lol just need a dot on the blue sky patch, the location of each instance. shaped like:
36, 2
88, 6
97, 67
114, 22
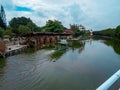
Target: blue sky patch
19, 8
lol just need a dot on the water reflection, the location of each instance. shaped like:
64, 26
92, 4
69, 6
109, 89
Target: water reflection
77, 45
73, 45
74, 70
90, 40
2, 62
114, 44
56, 55
2, 71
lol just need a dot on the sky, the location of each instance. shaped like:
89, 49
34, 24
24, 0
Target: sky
93, 14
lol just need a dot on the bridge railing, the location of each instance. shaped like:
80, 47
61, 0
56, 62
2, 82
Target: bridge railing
108, 83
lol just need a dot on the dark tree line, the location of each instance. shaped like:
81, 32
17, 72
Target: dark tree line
23, 25
2, 18
110, 32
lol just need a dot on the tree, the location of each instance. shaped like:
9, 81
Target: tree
37, 29
1, 33
24, 30
75, 28
16, 22
2, 18
33, 27
54, 26
117, 32
8, 32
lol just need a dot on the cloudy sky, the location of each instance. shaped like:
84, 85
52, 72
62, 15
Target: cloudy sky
93, 14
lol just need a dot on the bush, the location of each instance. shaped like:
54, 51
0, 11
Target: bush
1, 33
117, 32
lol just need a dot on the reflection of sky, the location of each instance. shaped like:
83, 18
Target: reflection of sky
73, 70
98, 59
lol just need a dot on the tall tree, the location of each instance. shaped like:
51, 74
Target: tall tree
33, 27
16, 22
1, 33
77, 29
2, 18
54, 26
24, 30
117, 32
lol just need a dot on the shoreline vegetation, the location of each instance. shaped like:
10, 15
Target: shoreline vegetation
112, 33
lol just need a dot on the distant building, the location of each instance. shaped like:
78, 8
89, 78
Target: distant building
91, 33
68, 31
81, 28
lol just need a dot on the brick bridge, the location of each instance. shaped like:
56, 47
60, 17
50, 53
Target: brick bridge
40, 39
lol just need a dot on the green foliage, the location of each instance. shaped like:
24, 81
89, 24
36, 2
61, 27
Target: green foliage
37, 29
1, 33
107, 32
24, 30
33, 27
19, 24
77, 32
8, 32
16, 22
117, 32
2, 18
54, 26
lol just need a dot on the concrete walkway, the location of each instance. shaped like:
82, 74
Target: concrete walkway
14, 47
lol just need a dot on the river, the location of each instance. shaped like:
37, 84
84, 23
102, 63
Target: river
84, 66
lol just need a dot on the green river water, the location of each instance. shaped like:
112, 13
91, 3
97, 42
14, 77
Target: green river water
84, 66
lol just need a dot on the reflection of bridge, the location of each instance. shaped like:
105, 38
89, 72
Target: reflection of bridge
40, 39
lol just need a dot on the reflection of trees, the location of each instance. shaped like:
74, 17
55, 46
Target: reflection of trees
72, 45
2, 65
2, 62
57, 54
77, 45
115, 45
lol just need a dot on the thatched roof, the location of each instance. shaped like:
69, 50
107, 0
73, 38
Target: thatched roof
2, 46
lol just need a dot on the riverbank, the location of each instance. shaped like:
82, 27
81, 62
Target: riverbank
13, 49
107, 37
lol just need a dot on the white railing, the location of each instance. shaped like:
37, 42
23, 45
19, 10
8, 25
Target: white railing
108, 83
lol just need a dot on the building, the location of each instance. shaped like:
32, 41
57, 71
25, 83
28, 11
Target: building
81, 28
69, 31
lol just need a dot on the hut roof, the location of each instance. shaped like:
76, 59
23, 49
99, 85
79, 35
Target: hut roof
69, 31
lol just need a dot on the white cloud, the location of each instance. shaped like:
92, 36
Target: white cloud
92, 13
